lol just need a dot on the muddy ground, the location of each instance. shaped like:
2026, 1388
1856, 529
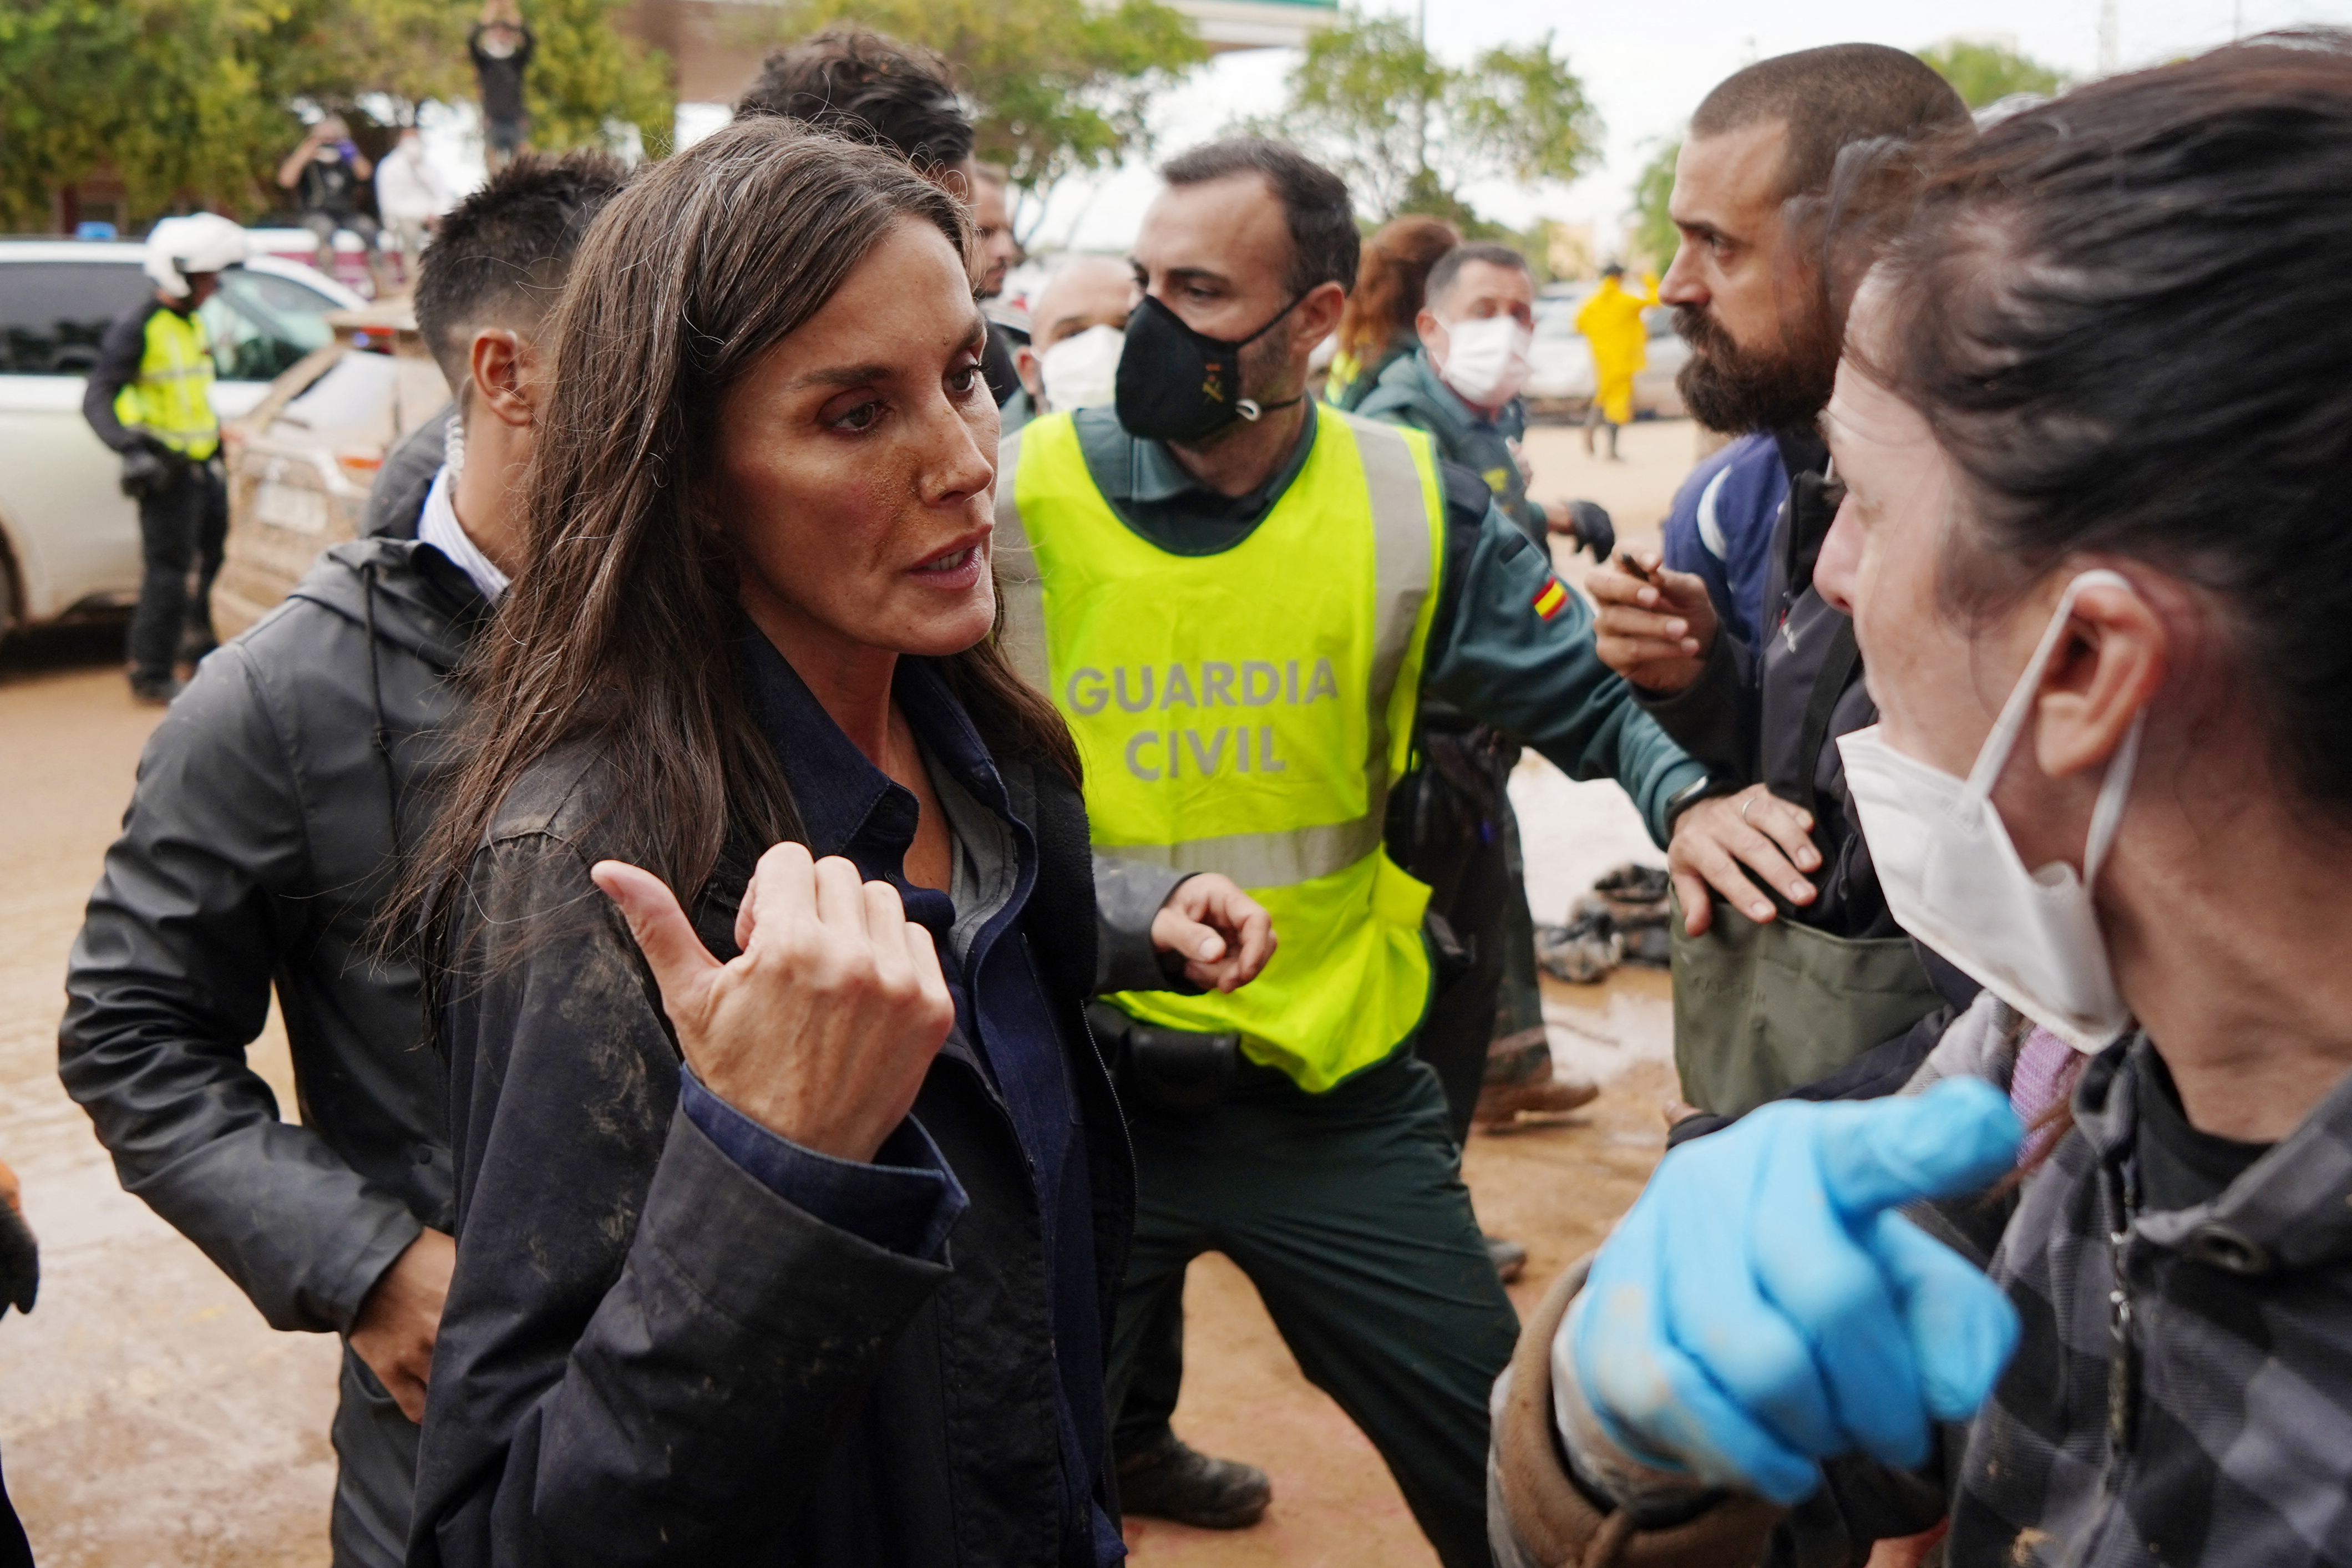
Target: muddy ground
148, 1417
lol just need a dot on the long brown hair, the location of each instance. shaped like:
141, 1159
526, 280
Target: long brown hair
1389, 289
621, 628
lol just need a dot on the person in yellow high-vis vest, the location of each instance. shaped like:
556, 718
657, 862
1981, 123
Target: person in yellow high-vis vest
1237, 601
149, 399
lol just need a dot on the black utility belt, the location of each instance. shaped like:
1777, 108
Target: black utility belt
1180, 1069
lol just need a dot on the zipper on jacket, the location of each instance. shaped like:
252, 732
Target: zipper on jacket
2123, 1371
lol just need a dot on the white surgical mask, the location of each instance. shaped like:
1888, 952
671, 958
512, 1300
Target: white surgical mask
1953, 878
1082, 371
1486, 358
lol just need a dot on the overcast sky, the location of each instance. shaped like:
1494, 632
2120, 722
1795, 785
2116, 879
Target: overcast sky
1647, 63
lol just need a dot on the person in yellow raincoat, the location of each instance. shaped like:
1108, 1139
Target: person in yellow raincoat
1611, 322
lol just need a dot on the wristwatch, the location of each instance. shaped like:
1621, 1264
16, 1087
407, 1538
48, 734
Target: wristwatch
1704, 787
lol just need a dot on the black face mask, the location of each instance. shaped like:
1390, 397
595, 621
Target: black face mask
1176, 385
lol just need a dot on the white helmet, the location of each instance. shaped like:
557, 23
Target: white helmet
200, 242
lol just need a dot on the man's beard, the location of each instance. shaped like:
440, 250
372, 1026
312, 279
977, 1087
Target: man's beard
1736, 390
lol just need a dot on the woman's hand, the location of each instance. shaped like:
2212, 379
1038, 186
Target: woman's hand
1223, 935
1724, 842
823, 1030
1655, 632
1762, 1307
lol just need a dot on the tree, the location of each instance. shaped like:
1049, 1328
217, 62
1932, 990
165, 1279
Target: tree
1410, 131
193, 102
1059, 86
589, 84
1653, 230
1984, 73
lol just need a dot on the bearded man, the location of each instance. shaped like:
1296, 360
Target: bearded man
1853, 999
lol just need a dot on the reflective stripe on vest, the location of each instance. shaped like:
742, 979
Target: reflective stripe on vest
172, 398
1244, 712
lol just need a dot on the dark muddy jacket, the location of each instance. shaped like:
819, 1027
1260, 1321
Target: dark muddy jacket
1746, 716
256, 850
652, 1354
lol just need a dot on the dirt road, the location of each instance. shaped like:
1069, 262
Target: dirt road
148, 1417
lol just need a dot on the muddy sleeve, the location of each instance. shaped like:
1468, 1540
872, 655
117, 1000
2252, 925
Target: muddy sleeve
168, 984
647, 1348
1512, 648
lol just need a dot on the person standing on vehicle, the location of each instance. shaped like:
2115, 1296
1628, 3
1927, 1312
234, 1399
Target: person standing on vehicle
273, 807
500, 47
149, 399
325, 174
1238, 600
1612, 323
1794, 978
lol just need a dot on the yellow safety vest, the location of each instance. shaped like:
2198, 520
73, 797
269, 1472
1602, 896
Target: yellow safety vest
1244, 712
172, 400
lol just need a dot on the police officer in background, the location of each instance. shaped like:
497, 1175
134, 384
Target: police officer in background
149, 399
1238, 600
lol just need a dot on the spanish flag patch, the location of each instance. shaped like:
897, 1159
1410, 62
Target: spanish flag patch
1551, 599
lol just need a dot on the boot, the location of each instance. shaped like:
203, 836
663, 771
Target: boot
1499, 1104
1172, 1480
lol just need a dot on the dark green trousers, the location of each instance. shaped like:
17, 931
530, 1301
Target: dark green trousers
1348, 1212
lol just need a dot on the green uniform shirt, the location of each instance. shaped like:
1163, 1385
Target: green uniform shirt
1509, 648
1410, 394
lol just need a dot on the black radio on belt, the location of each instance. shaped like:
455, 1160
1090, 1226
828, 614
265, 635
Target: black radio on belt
1169, 1068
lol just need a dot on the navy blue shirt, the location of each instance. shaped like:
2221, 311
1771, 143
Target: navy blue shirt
907, 1199
1721, 528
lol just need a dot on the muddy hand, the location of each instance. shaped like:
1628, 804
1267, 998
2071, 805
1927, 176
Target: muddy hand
823, 1029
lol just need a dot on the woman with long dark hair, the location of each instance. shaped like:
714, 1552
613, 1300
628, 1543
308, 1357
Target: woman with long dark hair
2095, 435
790, 1204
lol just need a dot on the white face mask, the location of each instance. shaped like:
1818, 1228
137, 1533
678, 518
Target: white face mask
1952, 875
1082, 371
1486, 358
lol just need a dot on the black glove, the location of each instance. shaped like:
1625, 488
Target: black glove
1591, 528
144, 472
20, 1261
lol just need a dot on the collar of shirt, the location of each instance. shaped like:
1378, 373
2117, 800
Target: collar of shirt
437, 526
1150, 490
847, 806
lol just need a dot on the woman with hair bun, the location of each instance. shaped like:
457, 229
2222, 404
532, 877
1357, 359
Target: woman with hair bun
2095, 436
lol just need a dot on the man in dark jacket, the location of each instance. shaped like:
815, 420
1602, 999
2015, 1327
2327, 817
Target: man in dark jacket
272, 806
1764, 339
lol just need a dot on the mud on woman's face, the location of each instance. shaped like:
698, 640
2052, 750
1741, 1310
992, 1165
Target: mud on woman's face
858, 459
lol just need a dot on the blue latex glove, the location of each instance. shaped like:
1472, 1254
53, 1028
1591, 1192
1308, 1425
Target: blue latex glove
1763, 1307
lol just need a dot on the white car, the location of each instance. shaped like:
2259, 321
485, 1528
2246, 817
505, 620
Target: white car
68, 536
